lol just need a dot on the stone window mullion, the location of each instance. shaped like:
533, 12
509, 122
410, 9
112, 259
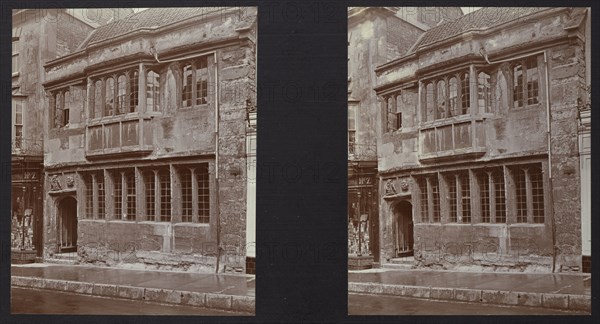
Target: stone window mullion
194, 196
459, 205
102, 98
157, 196
492, 196
193, 84
128, 91
175, 192
115, 94
94, 197
123, 195
473, 93
475, 192
90, 96
435, 99
528, 195
447, 109
386, 108
420, 105
444, 203
524, 85
429, 201
142, 92
391, 107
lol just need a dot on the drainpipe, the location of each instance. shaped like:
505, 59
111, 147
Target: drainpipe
218, 212
550, 185
548, 136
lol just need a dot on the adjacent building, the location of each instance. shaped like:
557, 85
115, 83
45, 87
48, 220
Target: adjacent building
375, 36
483, 143
38, 35
149, 142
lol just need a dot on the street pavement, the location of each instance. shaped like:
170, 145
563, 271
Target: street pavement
230, 292
548, 290
33, 301
391, 305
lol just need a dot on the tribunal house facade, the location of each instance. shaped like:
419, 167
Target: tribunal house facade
149, 130
483, 145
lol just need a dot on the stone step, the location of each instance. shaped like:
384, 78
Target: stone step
63, 258
70, 255
397, 266
404, 260
61, 261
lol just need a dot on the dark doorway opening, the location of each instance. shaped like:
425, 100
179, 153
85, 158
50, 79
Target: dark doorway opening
404, 229
67, 225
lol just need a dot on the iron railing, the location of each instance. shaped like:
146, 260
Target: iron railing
361, 151
22, 145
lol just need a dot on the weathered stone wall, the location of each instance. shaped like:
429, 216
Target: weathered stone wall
236, 77
400, 37
70, 33
147, 245
567, 86
484, 247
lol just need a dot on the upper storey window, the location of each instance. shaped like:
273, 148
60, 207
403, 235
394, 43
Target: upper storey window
195, 82
525, 82
152, 93
446, 96
399, 109
15, 55
61, 107
115, 94
499, 87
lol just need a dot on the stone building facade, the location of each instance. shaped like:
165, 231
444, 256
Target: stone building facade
38, 35
146, 141
480, 163
375, 36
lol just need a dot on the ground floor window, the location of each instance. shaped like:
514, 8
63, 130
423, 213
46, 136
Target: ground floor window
178, 193
499, 194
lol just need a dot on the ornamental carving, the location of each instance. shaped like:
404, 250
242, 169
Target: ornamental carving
55, 183
70, 182
405, 184
390, 189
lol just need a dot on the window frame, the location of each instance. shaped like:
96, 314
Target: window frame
165, 213
203, 193
115, 93
352, 112
530, 202
154, 92
190, 88
15, 53
17, 127
445, 96
429, 198
60, 109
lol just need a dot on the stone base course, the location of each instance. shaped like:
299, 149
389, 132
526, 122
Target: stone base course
497, 297
234, 303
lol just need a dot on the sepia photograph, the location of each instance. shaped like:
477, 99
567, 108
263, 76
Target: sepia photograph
133, 161
469, 166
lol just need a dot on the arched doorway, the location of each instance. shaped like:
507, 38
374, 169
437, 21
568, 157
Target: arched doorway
67, 225
404, 228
